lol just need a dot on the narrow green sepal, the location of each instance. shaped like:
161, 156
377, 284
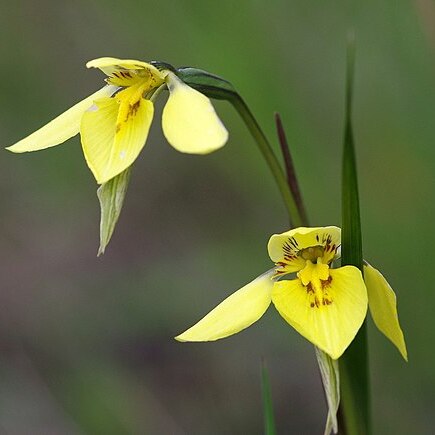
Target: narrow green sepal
111, 196
269, 417
208, 84
330, 374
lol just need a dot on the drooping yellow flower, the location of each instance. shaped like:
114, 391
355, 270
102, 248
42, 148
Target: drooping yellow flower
114, 121
326, 305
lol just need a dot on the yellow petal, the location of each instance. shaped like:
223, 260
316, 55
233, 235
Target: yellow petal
109, 65
61, 128
330, 322
383, 308
291, 242
189, 121
235, 313
114, 134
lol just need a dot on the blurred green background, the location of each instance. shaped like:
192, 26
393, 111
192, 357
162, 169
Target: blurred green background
86, 343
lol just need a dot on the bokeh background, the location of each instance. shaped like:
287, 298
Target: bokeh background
86, 343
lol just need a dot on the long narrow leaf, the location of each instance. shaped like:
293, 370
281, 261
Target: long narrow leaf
290, 170
353, 364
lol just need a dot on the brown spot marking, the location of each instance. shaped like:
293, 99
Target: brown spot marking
326, 301
325, 283
125, 74
133, 108
118, 127
310, 288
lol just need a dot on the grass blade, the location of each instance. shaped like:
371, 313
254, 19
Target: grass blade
355, 406
290, 170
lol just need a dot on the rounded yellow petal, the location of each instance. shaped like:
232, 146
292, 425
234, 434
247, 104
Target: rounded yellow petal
61, 128
383, 308
235, 313
189, 120
291, 250
114, 134
328, 315
302, 238
111, 64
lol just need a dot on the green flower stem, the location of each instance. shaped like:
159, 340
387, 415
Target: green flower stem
296, 219
216, 87
269, 417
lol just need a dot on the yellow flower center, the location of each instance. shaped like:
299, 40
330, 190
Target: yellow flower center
316, 279
312, 253
136, 84
311, 265
131, 77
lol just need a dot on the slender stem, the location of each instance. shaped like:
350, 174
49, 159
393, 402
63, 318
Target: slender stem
239, 104
216, 87
269, 417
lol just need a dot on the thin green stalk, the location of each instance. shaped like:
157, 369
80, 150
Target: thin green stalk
269, 417
355, 393
216, 87
295, 217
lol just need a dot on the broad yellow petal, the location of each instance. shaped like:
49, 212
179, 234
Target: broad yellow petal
286, 247
114, 134
61, 128
383, 308
235, 313
189, 121
97, 130
109, 65
330, 322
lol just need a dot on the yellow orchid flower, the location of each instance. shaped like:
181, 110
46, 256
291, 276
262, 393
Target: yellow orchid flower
114, 121
325, 305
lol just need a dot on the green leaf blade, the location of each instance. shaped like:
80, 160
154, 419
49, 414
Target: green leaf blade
355, 394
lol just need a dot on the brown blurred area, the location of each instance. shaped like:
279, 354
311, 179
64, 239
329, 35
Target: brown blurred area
86, 343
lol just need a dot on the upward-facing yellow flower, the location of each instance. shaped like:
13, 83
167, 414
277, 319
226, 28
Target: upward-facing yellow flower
114, 121
325, 305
